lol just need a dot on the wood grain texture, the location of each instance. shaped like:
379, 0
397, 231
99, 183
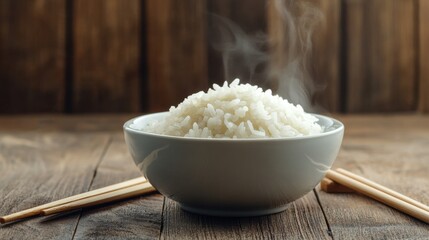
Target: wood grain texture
392, 151
381, 55
325, 59
101, 123
138, 218
106, 60
423, 24
32, 46
50, 159
176, 51
39, 168
251, 19
302, 220
383, 47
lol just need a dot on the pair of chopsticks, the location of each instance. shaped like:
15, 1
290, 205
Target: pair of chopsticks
341, 180
123, 190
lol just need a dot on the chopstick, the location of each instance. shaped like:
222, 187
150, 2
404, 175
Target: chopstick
124, 193
372, 190
383, 189
329, 186
88, 195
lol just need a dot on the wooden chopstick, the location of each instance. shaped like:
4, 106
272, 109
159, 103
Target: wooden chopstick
378, 195
329, 186
383, 189
38, 210
129, 192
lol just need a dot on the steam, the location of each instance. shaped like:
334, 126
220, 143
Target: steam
279, 60
241, 53
292, 26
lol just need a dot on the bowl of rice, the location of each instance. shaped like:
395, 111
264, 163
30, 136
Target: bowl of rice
235, 150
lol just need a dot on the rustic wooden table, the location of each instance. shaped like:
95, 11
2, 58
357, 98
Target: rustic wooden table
44, 158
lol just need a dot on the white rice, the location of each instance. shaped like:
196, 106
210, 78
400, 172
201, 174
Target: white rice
235, 111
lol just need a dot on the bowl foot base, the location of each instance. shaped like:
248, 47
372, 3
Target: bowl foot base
233, 213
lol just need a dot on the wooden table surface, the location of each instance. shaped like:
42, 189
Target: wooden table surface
44, 158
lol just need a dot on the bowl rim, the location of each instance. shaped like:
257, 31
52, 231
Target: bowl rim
127, 128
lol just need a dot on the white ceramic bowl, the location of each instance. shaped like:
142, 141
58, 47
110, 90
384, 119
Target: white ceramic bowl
234, 177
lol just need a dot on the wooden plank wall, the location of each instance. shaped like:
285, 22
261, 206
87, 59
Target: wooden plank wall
423, 28
176, 56
67, 56
32, 46
380, 55
105, 56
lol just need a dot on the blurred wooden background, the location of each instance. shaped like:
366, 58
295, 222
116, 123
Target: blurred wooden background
65, 56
